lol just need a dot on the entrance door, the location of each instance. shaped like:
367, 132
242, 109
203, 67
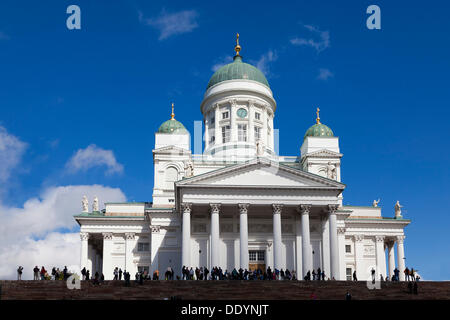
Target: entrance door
257, 260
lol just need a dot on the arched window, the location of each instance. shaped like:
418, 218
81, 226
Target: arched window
171, 177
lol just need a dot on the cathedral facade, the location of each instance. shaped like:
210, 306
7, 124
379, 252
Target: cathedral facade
239, 204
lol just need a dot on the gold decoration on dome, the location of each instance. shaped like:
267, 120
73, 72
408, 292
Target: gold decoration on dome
318, 117
237, 48
173, 114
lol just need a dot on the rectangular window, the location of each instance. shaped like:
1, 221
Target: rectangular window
212, 120
143, 246
261, 256
254, 255
242, 132
225, 115
257, 133
348, 273
257, 116
225, 134
348, 248
212, 139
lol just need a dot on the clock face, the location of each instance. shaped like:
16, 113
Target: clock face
242, 113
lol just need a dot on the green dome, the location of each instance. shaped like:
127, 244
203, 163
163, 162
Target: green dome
237, 70
172, 126
319, 130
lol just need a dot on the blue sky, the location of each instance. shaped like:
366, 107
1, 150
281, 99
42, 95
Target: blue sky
103, 91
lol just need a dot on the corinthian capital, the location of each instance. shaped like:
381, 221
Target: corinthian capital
215, 207
186, 207
129, 235
304, 208
243, 208
277, 208
358, 237
107, 236
84, 236
155, 228
400, 239
379, 238
332, 208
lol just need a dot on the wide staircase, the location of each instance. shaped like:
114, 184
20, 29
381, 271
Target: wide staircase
223, 290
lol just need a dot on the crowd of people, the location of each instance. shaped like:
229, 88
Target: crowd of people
217, 273
42, 273
202, 273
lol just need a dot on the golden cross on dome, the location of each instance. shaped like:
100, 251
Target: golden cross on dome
318, 117
173, 114
237, 48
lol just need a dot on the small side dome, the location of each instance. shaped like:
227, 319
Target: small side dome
319, 129
172, 125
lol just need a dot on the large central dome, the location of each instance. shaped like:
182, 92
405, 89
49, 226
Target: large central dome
237, 70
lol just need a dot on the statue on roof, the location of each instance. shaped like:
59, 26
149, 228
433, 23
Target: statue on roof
398, 209
95, 205
259, 148
331, 171
188, 169
375, 203
84, 204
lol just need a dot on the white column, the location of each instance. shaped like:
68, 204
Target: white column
243, 233
298, 247
264, 127
342, 263
84, 250
326, 246
186, 232
381, 257
401, 257
206, 133
215, 255
277, 254
391, 258
251, 127
334, 250
129, 245
155, 244
359, 252
217, 129
233, 125
107, 268
306, 240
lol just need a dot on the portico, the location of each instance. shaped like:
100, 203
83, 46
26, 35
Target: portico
261, 212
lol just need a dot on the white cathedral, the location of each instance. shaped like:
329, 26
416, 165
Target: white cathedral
239, 204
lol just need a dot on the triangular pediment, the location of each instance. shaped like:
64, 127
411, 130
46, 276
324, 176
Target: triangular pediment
261, 172
324, 153
171, 150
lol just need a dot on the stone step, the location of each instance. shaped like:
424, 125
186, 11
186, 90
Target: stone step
225, 290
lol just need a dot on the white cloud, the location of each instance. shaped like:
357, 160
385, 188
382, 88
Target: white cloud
32, 235
170, 24
221, 62
91, 157
11, 152
264, 61
324, 74
319, 42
